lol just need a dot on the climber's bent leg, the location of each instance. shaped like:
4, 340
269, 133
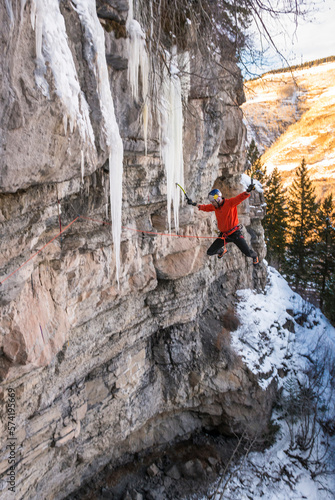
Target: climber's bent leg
216, 247
238, 238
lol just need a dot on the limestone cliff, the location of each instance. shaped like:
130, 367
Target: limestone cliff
103, 370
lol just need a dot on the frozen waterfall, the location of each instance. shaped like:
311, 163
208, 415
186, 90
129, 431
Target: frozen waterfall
138, 64
52, 47
95, 56
171, 140
170, 112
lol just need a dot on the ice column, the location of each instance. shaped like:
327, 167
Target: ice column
52, 47
95, 56
171, 130
138, 63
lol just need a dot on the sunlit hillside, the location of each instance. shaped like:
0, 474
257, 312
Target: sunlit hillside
292, 116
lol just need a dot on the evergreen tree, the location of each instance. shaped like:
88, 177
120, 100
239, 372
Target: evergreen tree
255, 167
301, 227
275, 220
329, 299
324, 250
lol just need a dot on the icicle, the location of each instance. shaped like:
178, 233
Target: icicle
145, 67
171, 125
82, 166
137, 56
52, 46
130, 13
115, 172
38, 30
33, 13
65, 123
145, 117
9, 9
138, 61
96, 59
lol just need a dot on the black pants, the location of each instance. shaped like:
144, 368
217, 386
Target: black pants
237, 238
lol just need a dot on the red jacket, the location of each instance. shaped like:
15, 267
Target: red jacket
226, 215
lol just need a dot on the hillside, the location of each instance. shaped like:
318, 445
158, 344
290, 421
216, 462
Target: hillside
291, 116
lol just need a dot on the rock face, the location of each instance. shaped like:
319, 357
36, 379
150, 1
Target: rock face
101, 371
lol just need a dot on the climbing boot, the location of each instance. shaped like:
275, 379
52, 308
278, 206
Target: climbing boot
222, 252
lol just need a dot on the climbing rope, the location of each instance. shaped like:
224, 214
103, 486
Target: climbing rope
106, 223
40, 250
151, 232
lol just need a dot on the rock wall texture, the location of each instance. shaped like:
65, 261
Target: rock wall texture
102, 371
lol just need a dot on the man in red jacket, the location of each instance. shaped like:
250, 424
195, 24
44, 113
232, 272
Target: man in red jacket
227, 220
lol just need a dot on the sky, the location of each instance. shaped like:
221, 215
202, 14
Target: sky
313, 38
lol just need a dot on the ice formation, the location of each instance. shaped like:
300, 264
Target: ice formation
50, 33
95, 55
52, 47
171, 131
9, 9
138, 64
82, 166
170, 113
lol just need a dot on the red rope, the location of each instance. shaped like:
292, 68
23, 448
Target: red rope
153, 232
40, 250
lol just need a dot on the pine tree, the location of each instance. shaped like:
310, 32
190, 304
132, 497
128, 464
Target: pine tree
329, 299
255, 167
275, 220
324, 249
301, 227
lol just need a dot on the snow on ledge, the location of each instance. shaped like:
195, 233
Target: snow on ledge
269, 339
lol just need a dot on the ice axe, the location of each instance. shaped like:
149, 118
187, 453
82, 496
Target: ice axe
183, 190
252, 185
252, 178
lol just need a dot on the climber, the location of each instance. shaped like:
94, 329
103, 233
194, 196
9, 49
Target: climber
228, 224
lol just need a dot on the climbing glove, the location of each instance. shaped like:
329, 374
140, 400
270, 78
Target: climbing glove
250, 187
190, 202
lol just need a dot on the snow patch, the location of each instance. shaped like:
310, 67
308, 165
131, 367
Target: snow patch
270, 166
312, 70
278, 335
328, 161
304, 141
264, 97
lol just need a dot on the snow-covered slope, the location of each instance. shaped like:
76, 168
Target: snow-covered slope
291, 117
284, 338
